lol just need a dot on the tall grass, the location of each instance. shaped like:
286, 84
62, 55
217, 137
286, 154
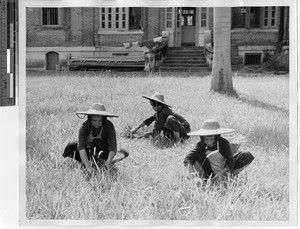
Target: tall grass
152, 183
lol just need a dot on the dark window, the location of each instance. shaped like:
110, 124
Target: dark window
243, 17
135, 17
255, 17
178, 17
238, 17
50, 16
252, 58
188, 16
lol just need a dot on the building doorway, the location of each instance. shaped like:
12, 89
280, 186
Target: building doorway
52, 60
188, 26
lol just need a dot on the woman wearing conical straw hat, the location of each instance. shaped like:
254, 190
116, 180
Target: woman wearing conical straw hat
96, 139
213, 156
173, 125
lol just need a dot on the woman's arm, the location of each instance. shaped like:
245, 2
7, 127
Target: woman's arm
111, 156
146, 122
111, 141
82, 136
226, 152
85, 160
133, 130
191, 157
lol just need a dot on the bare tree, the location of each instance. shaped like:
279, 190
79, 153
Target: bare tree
221, 68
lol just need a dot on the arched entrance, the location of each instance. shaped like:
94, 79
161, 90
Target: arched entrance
52, 59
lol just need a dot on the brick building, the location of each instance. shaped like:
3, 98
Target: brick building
54, 33
8, 52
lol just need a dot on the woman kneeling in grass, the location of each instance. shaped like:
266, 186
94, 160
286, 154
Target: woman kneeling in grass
173, 125
97, 142
212, 156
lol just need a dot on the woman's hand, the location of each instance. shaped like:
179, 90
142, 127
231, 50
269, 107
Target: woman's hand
90, 170
147, 135
90, 173
111, 156
107, 163
220, 175
132, 132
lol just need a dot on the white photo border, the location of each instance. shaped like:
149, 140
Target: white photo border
21, 110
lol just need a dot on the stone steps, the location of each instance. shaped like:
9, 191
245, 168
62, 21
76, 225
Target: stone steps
190, 59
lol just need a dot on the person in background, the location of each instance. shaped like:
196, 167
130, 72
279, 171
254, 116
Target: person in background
97, 142
213, 156
173, 126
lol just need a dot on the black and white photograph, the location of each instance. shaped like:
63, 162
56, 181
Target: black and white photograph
135, 114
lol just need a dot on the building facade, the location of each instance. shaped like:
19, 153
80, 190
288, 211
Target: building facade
8, 52
55, 33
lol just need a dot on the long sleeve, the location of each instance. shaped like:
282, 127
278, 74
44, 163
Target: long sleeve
161, 120
111, 137
225, 150
182, 120
149, 120
82, 136
193, 155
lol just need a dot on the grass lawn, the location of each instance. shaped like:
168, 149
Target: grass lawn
152, 183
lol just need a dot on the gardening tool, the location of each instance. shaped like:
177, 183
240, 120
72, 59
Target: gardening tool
114, 161
125, 154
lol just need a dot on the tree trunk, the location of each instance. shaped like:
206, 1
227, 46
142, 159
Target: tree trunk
280, 25
221, 68
286, 24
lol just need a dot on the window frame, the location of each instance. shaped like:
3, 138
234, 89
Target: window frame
47, 19
206, 19
269, 17
169, 20
262, 20
119, 19
184, 21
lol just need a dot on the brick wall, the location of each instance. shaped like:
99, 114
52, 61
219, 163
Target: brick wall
155, 22
88, 27
244, 37
118, 39
76, 26
43, 35
261, 37
79, 27
96, 26
68, 32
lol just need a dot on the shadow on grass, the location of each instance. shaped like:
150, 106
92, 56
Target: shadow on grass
262, 135
255, 102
